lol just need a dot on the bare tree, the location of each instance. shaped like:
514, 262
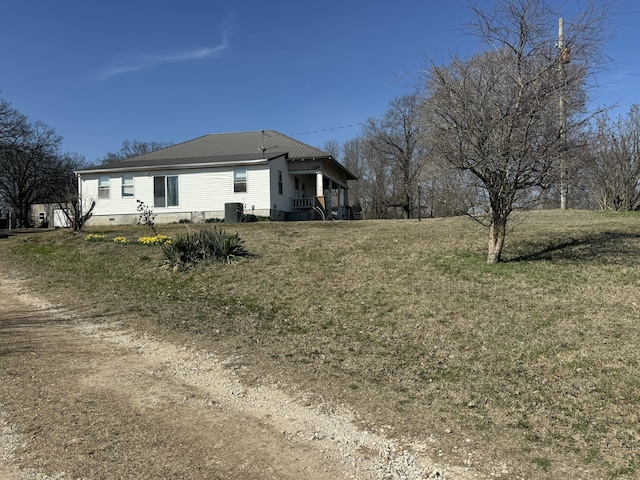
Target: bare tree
33, 170
133, 148
613, 168
496, 114
446, 191
374, 189
354, 159
12, 122
27, 150
63, 190
332, 147
379, 176
400, 142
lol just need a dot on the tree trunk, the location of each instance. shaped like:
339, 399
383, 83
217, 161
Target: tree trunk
406, 212
497, 232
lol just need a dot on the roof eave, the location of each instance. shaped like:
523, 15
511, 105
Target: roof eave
189, 166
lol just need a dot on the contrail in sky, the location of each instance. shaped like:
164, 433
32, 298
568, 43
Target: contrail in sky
144, 62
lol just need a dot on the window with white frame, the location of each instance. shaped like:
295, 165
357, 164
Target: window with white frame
280, 182
240, 180
165, 191
103, 186
127, 185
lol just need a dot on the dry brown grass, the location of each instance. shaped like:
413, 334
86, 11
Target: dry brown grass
532, 362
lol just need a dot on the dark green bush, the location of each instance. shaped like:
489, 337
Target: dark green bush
203, 246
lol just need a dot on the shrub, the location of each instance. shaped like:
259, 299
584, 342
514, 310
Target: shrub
203, 246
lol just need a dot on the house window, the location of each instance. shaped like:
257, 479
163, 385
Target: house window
240, 180
165, 191
127, 185
297, 183
103, 186
280, 182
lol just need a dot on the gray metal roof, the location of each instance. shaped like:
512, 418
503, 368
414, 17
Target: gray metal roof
222, 148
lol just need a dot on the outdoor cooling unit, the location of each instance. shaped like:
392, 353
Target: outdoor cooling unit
233, 212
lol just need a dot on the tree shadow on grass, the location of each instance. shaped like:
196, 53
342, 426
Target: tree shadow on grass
617, 248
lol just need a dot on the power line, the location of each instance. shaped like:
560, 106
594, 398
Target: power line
326, 129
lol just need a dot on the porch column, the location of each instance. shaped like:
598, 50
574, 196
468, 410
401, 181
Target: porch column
343, 201
319, 190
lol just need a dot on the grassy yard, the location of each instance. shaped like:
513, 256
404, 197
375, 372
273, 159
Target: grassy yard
533, 362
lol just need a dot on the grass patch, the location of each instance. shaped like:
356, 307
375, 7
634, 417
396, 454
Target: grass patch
543, 463
533, 360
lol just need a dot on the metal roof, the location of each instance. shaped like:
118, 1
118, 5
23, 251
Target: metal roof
222, 148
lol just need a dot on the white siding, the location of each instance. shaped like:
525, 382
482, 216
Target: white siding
115, 204
280, 202
200, 190
209, 190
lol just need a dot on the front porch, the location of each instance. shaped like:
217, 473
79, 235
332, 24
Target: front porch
331, 199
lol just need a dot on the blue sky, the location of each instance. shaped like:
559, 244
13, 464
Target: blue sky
100, 72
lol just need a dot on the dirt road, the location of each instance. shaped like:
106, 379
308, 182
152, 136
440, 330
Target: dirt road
82, 400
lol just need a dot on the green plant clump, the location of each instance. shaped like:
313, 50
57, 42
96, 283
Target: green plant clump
203, 246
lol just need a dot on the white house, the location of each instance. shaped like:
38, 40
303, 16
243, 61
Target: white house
264, 172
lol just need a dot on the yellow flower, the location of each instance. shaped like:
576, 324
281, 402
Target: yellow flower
95, 237
155, 240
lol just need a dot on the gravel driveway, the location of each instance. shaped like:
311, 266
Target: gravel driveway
81, 400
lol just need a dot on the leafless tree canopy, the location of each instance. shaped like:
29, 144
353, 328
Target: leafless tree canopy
133, 148
332, 147
32, 167
372, 191
612, 164
28, 152
396, 154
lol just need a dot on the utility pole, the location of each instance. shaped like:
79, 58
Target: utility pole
564, 58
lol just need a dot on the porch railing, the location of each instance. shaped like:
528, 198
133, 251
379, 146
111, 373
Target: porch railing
304, 202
